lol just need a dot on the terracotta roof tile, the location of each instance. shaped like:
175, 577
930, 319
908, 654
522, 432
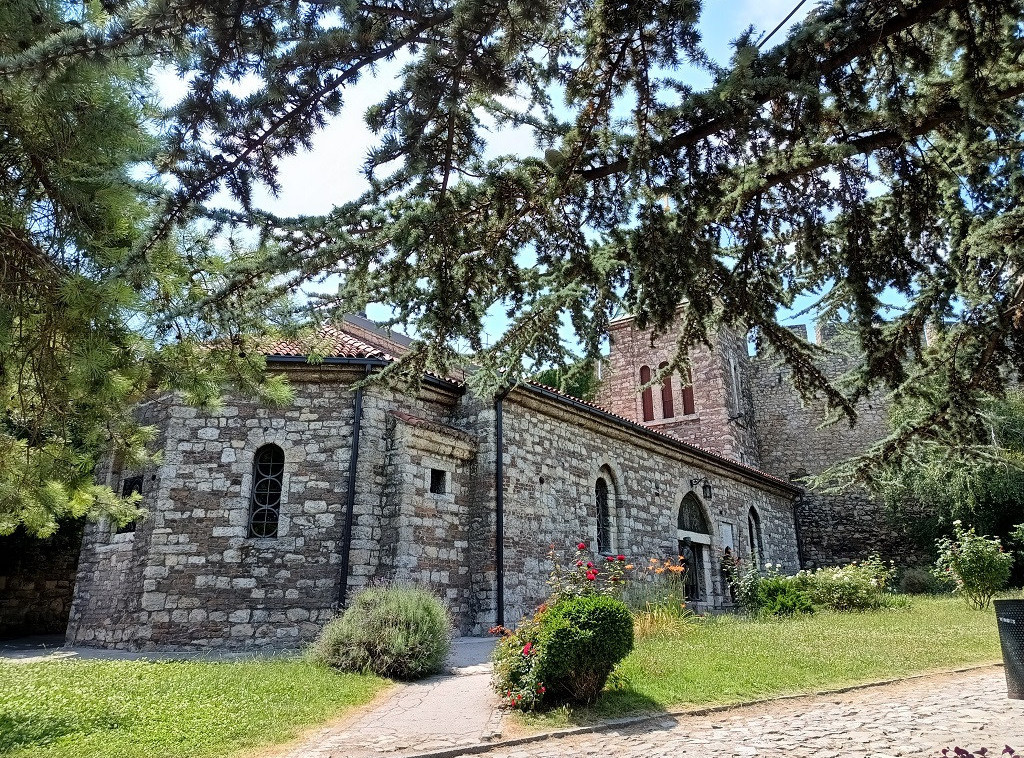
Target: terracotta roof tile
331, 342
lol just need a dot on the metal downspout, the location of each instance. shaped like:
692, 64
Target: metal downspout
499, 503
350, 495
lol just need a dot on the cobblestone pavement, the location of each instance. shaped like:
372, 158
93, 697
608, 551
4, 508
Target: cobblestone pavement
913, 718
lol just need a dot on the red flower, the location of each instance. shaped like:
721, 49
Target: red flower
622, 558
579, 563
609, 558
527, 648
590, 565
591, 577
582, 546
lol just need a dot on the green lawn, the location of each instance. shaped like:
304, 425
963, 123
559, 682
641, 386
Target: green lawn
144, 709
729, 659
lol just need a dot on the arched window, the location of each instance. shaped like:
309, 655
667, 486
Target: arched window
688, 408
265, 502
756, 539
648, 395
604, 516
667, 409
694, 537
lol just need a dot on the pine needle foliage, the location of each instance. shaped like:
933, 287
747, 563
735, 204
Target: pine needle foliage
89, 326
875, 149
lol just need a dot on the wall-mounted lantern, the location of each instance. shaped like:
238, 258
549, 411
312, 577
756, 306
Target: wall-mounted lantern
705, 486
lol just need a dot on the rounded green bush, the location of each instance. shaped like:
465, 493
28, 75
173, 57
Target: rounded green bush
398, 632
582, 639
918, 580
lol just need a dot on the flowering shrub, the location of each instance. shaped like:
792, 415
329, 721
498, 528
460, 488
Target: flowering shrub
769, 592
977, 565
585, 575
568, 648
516, 659
858, 586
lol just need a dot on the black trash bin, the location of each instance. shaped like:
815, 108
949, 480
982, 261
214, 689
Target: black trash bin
1010, 619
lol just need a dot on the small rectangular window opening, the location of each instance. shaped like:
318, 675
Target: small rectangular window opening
129, 487
438, 481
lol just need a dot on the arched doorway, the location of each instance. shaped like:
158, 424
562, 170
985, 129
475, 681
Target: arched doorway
694, 536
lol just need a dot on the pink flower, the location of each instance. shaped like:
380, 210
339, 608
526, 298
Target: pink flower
591, 577
590, 565
582, 546
527, 648
579, 563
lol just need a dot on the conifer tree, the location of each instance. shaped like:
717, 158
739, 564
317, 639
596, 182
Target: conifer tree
875, 149
87, 327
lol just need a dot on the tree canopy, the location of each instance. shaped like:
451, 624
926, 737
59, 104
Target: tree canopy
79, 308
980, 482
874, 150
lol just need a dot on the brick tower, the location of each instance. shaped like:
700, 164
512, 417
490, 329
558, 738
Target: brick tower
711, 408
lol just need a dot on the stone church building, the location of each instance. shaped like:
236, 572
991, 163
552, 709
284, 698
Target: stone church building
263, 520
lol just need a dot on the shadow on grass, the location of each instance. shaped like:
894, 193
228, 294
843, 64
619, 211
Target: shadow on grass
619, 702
20, 731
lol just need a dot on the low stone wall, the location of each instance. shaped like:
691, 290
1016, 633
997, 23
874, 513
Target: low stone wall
37, 579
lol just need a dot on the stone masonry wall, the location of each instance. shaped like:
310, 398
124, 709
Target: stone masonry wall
191, 577
723, 418
113, 566
37, 578
833, 528
554, 455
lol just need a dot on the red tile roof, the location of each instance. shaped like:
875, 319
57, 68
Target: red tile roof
331, 342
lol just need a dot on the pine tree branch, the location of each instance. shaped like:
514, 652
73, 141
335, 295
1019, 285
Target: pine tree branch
865, 43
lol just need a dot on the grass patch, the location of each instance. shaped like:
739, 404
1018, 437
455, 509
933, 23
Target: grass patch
732, 659
167, 709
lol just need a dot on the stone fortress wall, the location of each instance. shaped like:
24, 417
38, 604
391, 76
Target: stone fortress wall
746, 408
795, 442
37, 579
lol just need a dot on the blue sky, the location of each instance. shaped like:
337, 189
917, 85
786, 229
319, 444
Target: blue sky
313, 182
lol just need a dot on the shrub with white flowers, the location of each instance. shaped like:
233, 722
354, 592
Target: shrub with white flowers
977, 564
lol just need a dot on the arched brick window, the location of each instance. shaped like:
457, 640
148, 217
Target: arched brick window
267, 483
688, 407
648, 396
756, 537
667, 409
604, 516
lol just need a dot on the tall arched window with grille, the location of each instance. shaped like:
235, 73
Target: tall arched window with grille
648, 394
667, 408
604, 515
755, 536
267, 484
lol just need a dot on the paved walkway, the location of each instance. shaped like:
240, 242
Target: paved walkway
457, 709
913, 718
